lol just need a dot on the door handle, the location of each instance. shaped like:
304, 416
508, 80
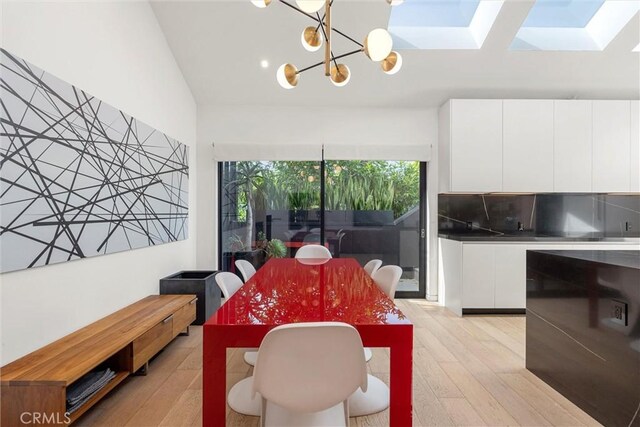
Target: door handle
167, 319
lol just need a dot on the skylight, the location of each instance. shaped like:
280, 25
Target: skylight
562, 13
573, 25
434, 13
442, 24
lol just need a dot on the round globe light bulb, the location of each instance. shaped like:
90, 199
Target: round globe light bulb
310, 6
378, 44
311, 39
287, 76
261, 3
340, 75
392, 63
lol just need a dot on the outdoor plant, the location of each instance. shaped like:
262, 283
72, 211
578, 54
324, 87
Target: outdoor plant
248, 179
276, 249
261, 241
235, 243
349, 185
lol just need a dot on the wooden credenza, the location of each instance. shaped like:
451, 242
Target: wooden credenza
34, 386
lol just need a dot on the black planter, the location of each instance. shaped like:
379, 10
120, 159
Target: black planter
372, 218
200, 283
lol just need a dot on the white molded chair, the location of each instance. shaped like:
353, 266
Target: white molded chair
376, 398
229, 284
302, 349
387, 279
313, 251
371, 267
306, 373
246, 269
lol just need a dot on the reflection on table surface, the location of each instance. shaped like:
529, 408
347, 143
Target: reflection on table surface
289, 291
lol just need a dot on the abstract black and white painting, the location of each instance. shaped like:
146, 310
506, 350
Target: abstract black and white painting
78, 177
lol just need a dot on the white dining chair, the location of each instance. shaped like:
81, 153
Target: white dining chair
372, 266
387, 279
305, 375
377, 396
229, 284
313, 251
246, 269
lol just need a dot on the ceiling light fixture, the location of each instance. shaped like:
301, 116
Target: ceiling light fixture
378, 45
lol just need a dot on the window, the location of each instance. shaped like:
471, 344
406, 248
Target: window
443, 24
573, 25
358, 209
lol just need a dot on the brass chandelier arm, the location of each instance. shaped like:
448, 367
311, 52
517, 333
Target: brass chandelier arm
353, 52
327, 35
285, 2
324, 33
322, 20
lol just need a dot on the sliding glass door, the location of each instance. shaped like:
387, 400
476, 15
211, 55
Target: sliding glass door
358, 209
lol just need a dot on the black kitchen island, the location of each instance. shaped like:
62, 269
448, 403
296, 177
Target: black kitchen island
583, 329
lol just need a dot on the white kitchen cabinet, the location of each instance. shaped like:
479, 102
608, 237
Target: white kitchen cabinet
492, 276
450, 274
634, 169
572, 146
478, 276
471, 146
510, 275
529, 145
611, 146
527, 154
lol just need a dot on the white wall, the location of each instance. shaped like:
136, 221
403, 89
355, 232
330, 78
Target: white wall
268, 125
117, 52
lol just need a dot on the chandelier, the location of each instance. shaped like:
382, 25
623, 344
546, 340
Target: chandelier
378, 45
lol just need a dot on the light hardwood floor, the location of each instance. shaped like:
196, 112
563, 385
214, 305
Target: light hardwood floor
467, 371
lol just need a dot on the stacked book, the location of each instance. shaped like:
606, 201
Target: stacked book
83, 389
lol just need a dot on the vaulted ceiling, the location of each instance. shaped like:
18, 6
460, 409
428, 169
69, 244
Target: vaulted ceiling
219, 46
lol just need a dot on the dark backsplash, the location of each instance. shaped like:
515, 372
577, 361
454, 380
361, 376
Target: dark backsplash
557, 214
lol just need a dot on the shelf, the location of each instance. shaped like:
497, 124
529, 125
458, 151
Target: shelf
120, 376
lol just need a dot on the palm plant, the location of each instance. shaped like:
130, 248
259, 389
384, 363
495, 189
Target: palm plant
248, 179
276, 249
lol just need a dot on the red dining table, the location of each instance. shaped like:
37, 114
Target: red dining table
287, 290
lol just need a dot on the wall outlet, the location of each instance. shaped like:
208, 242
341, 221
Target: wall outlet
619, 312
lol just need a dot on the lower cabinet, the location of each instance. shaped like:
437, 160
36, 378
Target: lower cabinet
478, 276
510, 276
493, 276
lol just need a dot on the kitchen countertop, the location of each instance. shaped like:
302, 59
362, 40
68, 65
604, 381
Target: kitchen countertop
629, 259
526, 236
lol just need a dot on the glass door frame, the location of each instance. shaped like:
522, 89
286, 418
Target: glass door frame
422, 233
422, 241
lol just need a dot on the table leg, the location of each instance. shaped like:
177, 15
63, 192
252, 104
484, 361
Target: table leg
400, 410
214, 378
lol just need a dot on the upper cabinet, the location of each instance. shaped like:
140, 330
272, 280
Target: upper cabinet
573, 146
527, 157
539, 146
473, 156
611, 146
